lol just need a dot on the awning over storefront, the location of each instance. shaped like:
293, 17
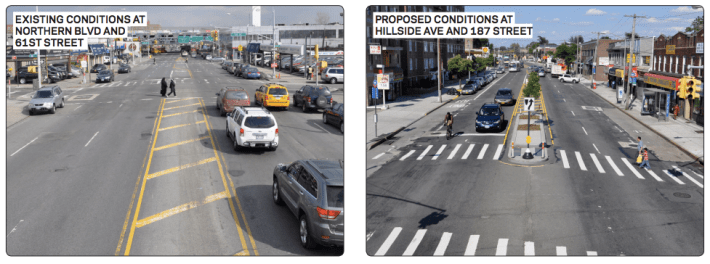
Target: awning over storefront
661, 81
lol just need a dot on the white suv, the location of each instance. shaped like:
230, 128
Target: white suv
252, 127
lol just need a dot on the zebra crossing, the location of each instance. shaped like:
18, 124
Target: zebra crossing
468, 244
157, 81
450, 152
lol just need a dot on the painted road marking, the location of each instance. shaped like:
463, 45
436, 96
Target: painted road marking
688, 177
595, 147
181, 106
441, 149
148, 99
407, 155
628, 164
174, 100
77, 90
573, 113
472, 245
379, 155
654, 175
581, 162
585, 131
483, 151
529, 248
193, 111
596, 163
561, 251
474, 135
13, 154
701, 176
177, 126
502, 247
565, 163
92, 138
468, 151
591, 253
388, 242
415, 243
498, 151
613, 165
674, 177
443, 243
453, 153
182, 167
179, 209
181, 143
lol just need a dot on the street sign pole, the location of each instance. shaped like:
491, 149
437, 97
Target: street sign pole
375, 95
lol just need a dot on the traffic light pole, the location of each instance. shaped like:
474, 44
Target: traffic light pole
631, 64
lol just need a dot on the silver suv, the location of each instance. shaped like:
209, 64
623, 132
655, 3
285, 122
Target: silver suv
333, 75
252, 127
46, 99
313, 191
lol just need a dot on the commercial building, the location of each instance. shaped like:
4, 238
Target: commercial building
621, 57
602, 62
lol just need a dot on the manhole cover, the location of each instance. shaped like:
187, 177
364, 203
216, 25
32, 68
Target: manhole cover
681, 195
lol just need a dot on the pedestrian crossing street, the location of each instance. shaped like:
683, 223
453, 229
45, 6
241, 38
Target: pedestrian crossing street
157, 81
466, 245
427, 154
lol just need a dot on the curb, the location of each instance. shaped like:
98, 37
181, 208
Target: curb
699, 159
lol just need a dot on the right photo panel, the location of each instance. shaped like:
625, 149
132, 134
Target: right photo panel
534, 130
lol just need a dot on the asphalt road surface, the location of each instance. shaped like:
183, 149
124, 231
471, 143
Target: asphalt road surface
123, 171
430, 196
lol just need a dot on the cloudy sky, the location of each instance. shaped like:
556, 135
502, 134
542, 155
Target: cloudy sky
558, 23
204, 16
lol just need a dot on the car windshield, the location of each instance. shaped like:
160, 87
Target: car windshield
335, 195
278, 91
105, 72
259, 122
504, 93
488, 111
43, 94
237, 95
470, 83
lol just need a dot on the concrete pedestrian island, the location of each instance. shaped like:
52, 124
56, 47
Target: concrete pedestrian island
518, 145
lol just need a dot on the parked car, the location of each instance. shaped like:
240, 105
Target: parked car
240, 71
313, 97
76, 71
313, 191
217, 59
62, 73
333, 75
230, 97
208, 57
46, 99
490, 116
226, 65
470, 87
482, 81
124, 68
105, 76
272, 95
98, 67
500, 70
335, 116
61, 67
540, 72
253, 127
569, 78
504, 96
251, 73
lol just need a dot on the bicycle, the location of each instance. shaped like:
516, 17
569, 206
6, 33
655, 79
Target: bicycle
449, 131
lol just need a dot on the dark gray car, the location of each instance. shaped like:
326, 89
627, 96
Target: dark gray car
46, 99
313, 191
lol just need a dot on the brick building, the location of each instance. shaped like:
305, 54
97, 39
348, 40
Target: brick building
602, 62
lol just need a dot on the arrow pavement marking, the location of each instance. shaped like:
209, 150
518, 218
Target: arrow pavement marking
468, 151
565, 163
483, 151
415, 243
388, 242
421, 156
596, 163
441, 149
472, 245
581, 162
613, 165
628, 164
453, 153
407, 155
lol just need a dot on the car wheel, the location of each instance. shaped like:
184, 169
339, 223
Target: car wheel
53, 110
62, 105
276, 193
333, 81
236, 145
304, 232
23, 81
304, 108
576, 81
226, 128
222, 112
31, 112
342, 127
325, 119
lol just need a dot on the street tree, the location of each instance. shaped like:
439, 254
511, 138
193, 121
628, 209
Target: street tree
576, 39
566, 53
542, 40
460, 66
696, 25
532, 89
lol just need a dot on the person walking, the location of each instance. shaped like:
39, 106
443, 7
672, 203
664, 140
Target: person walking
645, 160
310, 72
163, 87
172, 87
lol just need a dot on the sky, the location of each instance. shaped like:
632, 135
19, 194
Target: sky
204, 16
559, 23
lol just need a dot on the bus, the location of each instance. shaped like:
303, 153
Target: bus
514, 66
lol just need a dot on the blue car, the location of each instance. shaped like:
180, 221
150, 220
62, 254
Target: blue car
490, 117
251, 73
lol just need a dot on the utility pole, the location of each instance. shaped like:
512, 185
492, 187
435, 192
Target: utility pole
438, 58
594, 63
633, 37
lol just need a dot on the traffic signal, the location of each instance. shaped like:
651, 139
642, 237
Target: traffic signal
316, 50
693, 88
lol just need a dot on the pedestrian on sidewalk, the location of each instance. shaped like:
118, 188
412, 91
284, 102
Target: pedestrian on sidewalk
645, 160
163, 87
676, 109
310, 72
172, 87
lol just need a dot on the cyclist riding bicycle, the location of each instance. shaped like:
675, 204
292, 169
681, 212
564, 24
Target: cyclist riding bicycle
449, 121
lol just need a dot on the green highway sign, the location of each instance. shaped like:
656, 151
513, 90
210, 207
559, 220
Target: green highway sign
33, 55
239, 34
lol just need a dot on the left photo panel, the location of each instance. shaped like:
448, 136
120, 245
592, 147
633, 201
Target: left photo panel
175, 131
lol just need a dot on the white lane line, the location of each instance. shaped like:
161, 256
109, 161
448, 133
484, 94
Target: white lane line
206, 81
502, 247
468, 151
565, 163
581, 162
171, 74
595, 147
585, 131
596, 163
688, 177
378, 156
498, 151
529, 248
628, 164
421, 156
120, 106
24, 146
92, 138
415, 243
109, 102
148, 99
453, 153
408, 154
77, 107
653, 174
701, 176
613, 165
443, 243
441, 149
77, 90
591, 253
483, 151
472, 245
573, 113
321, 127
562, 251
674, 177
370, 235
564, 100
388, 242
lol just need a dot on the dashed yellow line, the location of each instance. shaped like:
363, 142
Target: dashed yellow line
181, 143
182, 100
179, 209
181, 113
181, 167
181, 106
167, 128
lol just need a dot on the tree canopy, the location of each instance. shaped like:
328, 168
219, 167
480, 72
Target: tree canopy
696, 25
567, 53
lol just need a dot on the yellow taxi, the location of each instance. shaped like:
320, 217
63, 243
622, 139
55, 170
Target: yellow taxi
273, 95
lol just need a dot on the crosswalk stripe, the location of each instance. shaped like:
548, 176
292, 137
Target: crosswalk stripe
443, 243
502, 247
472, 245
596, 163
565, 163
407, 155
701, 176
591, 253
483, 151
654, 175
468, 151
388, 242
441, 149
561, 251
421, 156
529, 248
415, 243
674, 177
497, 155
613, 165
453, 153
379, 155
688, 177
581, 162
628, 164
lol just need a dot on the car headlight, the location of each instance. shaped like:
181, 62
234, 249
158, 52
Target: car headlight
47, 104
478, 122
496, 122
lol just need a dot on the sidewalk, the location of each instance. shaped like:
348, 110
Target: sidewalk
402, 113
680, 132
